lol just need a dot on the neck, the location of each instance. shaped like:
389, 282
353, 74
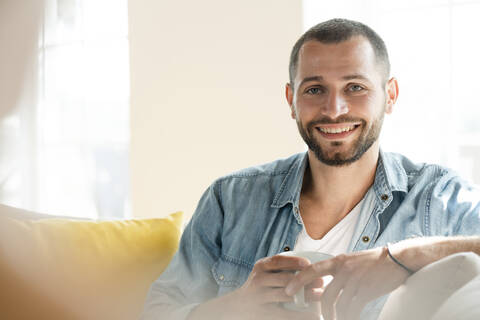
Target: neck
339, 189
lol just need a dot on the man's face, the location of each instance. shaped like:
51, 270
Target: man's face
339, 99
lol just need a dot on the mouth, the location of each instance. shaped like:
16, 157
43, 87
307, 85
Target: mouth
337, 131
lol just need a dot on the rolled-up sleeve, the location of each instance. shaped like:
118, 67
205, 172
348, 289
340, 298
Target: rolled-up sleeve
188, 280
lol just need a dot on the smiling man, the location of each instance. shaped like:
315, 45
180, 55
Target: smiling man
344, 197
346, 80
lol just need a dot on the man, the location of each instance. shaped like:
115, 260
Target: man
344, 197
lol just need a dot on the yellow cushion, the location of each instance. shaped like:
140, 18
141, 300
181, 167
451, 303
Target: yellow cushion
66, 269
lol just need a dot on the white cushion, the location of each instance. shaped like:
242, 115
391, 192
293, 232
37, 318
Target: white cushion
464, 304
426, 290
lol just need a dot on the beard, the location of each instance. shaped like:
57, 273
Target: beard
366, 139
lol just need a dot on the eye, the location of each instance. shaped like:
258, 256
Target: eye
314, 90
355, 88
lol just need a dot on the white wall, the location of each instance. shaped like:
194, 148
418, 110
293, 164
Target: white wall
207, 94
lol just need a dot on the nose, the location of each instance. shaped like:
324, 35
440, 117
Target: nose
335, 105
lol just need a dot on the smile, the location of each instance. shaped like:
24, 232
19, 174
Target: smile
337, 131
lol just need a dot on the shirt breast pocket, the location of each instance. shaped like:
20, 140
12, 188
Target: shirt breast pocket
230, 274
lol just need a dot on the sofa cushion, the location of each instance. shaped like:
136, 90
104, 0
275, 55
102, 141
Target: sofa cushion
426, 290
464, 304
67, 269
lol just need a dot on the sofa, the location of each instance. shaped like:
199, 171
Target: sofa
60, 268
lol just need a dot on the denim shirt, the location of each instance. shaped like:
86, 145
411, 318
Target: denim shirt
254, 213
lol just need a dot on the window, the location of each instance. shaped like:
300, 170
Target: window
72, 132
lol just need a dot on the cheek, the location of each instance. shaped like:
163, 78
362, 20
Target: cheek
367, 107
309, 107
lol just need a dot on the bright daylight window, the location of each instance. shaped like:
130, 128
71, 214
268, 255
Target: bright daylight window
434, 56
69, 140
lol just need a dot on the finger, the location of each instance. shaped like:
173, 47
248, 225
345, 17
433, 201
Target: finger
314, 294
344, 302
355, 309
329, 297
270, 295
283, 263
317, 283
310, 273
279, 279
314, 290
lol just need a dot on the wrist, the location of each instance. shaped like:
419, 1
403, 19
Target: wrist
416, 253
397, 261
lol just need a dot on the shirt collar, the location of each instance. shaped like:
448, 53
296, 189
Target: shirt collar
289, 191
389, 176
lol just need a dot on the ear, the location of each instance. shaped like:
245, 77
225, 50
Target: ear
392, 94
289, 96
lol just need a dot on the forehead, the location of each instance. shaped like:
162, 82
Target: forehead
337, 60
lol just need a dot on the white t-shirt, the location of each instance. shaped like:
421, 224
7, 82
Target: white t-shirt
337, 240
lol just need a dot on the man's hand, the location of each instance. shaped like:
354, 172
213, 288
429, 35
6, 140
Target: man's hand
357, 279
261, 295
265, 287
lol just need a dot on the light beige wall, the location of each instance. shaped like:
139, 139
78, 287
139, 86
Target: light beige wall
207, 94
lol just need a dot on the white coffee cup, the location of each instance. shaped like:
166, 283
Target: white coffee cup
299, 303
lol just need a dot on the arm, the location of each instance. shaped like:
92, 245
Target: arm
453, 226
363, 276
418, 252
260, 296
188, 290
188, 280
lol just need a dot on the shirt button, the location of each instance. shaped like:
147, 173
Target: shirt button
287, 248
221, 277
296, 210
365, 239
384, 197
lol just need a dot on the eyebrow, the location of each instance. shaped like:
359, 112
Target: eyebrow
346, 78
355, 76
308, 79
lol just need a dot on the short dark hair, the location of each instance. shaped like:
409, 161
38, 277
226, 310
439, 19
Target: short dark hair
339, 30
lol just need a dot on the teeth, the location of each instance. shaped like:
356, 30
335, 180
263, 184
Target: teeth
337, 130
